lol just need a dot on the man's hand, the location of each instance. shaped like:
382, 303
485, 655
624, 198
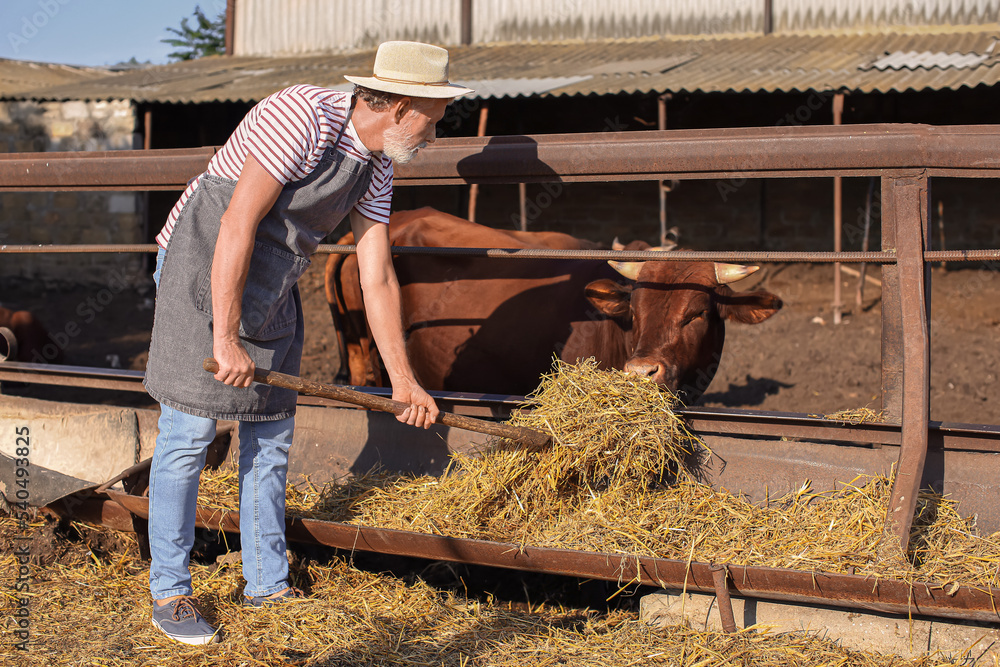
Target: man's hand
235, 365
423, 411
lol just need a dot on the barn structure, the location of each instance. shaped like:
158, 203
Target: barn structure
31, 124
581, 68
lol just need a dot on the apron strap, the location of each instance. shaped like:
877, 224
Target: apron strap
347, 120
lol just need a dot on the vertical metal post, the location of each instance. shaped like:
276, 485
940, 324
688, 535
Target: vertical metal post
147, 129
940, 226
911, 210
719, 575
892, 325
466, 18
663, 187
768, 16
522, 195
230, 26
859, 299
147, 144
474, 188
838, 110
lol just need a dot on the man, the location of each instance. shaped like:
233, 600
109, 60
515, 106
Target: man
231, 252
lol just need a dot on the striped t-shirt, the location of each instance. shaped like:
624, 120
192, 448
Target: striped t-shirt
287, 133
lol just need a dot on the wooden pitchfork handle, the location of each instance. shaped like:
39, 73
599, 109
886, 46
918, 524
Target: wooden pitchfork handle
530, 438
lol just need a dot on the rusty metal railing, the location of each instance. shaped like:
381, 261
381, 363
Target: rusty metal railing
905, 157
768, 152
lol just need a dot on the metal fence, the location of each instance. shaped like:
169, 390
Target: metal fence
905, 158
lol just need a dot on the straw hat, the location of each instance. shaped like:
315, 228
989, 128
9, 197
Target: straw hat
413, 69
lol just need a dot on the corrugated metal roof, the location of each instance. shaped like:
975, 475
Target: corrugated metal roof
768, 63
20, 76
928, 59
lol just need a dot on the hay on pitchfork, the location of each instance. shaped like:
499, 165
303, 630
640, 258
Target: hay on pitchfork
610, 430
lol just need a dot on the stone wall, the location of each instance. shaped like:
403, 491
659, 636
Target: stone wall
70, 217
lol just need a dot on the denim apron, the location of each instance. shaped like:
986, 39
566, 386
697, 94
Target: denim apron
271, 324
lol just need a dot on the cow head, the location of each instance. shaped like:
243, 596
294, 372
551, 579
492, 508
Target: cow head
677, 312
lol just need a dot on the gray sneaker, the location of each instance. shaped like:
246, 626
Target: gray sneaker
287, 595
181, 621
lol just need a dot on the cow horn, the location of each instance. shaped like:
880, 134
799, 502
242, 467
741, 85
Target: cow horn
631, 269
628, 269
730, 273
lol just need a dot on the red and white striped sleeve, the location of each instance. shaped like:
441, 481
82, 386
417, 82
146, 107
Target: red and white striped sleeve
377, 201
285, 136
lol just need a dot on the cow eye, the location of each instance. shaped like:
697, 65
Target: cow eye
697, 316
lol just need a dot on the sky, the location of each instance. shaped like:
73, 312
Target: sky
93, 32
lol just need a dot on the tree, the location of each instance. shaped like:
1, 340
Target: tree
208, 38
131, 63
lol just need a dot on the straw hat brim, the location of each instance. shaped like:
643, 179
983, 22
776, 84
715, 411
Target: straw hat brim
435, 91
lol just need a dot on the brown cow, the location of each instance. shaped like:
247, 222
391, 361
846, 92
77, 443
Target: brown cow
32, 341
493, 325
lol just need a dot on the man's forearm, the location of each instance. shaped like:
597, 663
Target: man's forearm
385, 319
383, 307
254, 194
229, 273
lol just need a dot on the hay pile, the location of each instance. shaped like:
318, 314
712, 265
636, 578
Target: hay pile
613, 433
857, 416
91, 607
622, 478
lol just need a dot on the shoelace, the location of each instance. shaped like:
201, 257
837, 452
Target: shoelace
183, 608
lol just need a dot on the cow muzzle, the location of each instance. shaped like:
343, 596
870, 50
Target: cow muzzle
656, 371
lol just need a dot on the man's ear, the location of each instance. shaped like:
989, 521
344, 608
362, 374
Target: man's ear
401, 108
609, 297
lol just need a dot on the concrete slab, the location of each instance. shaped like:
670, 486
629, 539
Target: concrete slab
330, 443
91, 443
974, 643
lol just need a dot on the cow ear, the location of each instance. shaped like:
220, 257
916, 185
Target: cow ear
609, 297
746, 307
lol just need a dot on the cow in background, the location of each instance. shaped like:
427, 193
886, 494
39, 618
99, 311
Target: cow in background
493, 325
30, 336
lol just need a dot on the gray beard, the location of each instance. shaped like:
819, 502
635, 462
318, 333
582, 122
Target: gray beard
396, 146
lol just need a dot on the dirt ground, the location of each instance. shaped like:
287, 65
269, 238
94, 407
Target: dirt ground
800, 361
797, 361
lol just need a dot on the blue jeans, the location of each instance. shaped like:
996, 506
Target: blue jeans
178, 459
